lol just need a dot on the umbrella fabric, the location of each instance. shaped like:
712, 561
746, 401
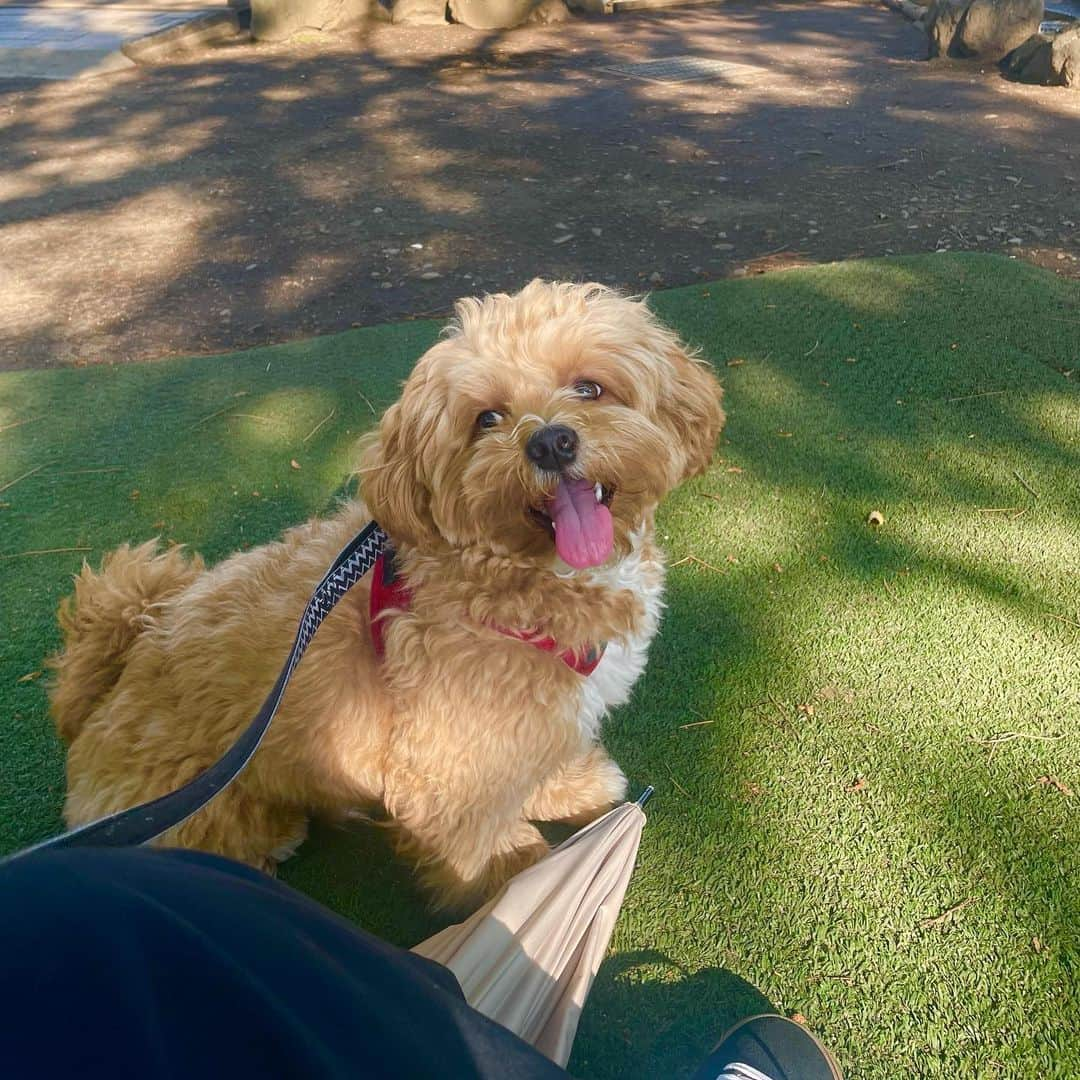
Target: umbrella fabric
528, 957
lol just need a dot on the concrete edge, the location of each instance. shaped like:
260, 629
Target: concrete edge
56, 65
200, 32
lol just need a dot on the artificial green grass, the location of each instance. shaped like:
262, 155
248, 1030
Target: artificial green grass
869, 820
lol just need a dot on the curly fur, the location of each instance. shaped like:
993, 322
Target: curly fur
463, 735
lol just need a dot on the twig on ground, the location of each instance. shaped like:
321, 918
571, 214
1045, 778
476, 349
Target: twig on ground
888, 588
969, 397
945, 916
207, 419
254, 416
696, 723
86, 472
367, 401
1008, 736
774, 251
1061, 618
42, 551
813, 348
328, 416
19, 423
678, 786
699, 562
999, 509
1026, 484
12, 483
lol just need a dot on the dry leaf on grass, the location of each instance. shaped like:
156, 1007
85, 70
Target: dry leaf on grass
294, 464
859, 785
836, 693
1055, 783
947, 915
30, 676
875, 518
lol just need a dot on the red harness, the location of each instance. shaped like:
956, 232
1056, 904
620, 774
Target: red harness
389, 592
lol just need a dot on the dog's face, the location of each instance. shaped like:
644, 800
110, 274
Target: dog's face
548, 422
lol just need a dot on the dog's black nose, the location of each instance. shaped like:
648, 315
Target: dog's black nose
552, 447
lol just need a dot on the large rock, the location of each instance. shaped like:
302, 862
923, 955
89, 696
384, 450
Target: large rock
942, 22
1065, 57
993, 28
276, 20
1030, 63
419, 12
981, 29
500, 14
1048, 59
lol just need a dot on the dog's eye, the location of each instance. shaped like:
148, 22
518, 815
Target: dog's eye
585, 388
489, 418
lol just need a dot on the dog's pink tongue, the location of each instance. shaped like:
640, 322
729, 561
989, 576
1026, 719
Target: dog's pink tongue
584, 532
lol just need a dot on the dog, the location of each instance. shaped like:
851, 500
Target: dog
517, 477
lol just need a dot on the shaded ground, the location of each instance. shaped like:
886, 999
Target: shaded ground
871, 816
268, 193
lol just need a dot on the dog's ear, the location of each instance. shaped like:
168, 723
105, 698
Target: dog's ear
390, 479
690, 408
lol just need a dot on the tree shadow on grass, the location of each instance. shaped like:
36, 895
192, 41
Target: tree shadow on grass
739, 649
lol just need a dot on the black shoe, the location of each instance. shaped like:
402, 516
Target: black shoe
770, 1047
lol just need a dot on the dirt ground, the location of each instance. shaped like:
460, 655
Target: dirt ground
264, 193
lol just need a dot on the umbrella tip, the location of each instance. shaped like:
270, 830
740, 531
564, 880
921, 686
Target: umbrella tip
645, 796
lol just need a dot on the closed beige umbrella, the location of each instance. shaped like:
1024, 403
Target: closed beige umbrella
527, 959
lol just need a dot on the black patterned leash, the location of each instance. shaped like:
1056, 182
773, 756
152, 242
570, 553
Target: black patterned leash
143, 823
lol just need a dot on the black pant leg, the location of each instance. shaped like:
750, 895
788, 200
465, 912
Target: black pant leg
140, 963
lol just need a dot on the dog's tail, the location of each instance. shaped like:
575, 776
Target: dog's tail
102, 620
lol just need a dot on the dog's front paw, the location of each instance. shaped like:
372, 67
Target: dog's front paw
580, 791
612, 781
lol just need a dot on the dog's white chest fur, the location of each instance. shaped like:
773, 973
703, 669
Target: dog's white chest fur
623, 662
